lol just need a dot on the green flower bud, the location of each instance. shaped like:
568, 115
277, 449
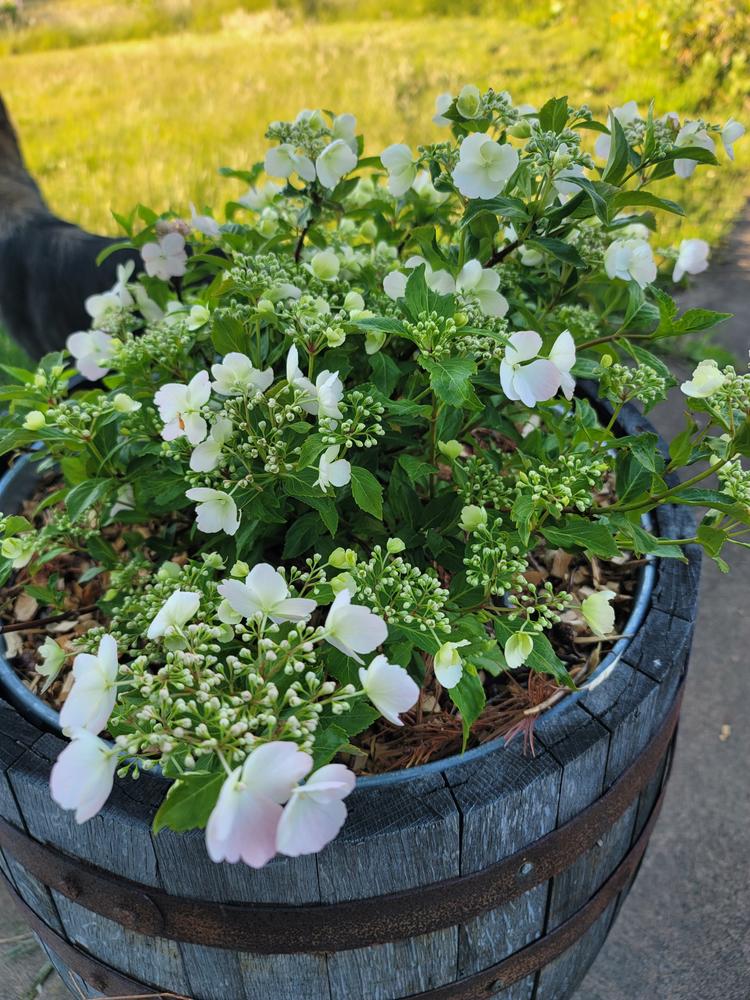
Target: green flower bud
343, 558
240, 570
394, 546
34, 420
354, 301
344, 581
168, 571
469, 101
451, 449
473, 517
124, 403
325, 265
521, 130
368, 229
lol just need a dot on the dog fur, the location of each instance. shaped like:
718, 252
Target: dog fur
47, 266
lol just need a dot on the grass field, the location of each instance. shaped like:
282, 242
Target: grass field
107, 125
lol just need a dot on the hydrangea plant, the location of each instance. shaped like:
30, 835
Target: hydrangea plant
312, 450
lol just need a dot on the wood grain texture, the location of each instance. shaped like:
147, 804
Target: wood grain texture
397, 838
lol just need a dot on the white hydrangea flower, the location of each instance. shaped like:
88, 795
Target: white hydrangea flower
236, 375
402, 170
526, 376
442, 104
484, 166
177, 610
118, 297
206, 456
469, 101
167, 258
732, 131
345, 127
180, 405
518, 649
92, 697
52, 658
83, 775
315, 811
284, 160
481, 283
707, 378
19, 550
215, 510
92, 350
630, 260
258, 198
205, 224
691, 259
353, 629
625, 115
691, 135
334, 162
321, 399
264, 591
389, 687
332, 470
599, 613
448, 664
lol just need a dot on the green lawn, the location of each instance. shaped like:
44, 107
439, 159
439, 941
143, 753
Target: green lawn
107, 125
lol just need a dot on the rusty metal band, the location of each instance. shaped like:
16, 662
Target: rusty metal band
266, 928
478, 986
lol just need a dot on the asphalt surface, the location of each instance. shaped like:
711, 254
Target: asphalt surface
684, 932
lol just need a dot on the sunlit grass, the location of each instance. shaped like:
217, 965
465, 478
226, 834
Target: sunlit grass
106, 126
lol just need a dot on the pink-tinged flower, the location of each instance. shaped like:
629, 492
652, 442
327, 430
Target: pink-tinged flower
352, 628
204, 224
215, 511
118, 297
389, 688
92, 350
315, 812
265, 592
244, 822
180, 408
167, 258
83, 774
177, 610
332, 470
525, 376
94, 692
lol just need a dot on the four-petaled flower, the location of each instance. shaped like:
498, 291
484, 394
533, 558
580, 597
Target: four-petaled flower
244, 822
92, 350
180, 408
481, 283
389, 687
204, 224
691, 135
625, 115
83, 774
332, 470
284, 160
215, 511
352, 628
631, 259
448, 665
265, 592
237, 375
525, 376
167, 258
92, 697
118, 297
324, 397
315, 811
484, 166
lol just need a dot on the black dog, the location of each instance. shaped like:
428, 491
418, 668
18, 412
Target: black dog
47, 266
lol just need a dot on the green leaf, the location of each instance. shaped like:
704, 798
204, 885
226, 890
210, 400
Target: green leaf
631, 478
642, 198
189, 802
543, 659
553, 116
328, 742
367, 492
420, 298
558, 248
522, 514
711, 538
416, 468
512, 209
385, 372
593, 536
619, 154
301, 536
85, 495
450, 379
469, 698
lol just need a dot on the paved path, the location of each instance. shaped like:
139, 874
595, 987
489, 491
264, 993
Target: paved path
684, 933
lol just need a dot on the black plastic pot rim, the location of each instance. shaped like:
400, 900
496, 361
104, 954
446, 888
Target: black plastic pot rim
39, 712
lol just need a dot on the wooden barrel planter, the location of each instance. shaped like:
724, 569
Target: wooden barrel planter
496, 875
